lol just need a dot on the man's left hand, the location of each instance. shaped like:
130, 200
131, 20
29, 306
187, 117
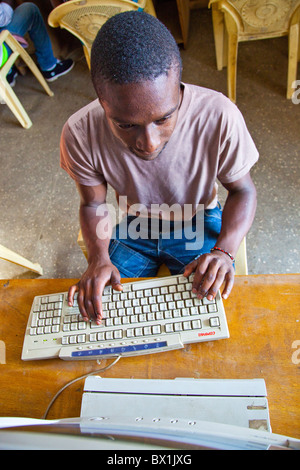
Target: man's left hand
211, 271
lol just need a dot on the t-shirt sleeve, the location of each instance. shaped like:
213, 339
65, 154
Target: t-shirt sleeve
238, 152
76, 157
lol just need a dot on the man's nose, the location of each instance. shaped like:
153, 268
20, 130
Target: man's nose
148, 139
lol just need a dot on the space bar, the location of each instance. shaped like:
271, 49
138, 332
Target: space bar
133, 349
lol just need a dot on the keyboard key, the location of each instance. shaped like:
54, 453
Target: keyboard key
147, 330
214, 321
169, 328
212, 308
118, 334
187, 325
130, 333
156, 329
196, 324
93, 337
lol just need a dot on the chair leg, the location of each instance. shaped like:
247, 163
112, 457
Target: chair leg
293, 58
241, 265
14, 104
232, 52
183, 8
87, 54
34, 69
13, 43
232, 66
13, 257
219, 35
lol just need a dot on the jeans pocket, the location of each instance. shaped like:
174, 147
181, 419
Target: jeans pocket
129, 262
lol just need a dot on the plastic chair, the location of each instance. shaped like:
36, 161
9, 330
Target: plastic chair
239, 20
84, 18
241, 266
15, 258
6, 92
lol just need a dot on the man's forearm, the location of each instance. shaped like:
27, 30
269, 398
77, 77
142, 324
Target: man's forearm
238, 214
96, 227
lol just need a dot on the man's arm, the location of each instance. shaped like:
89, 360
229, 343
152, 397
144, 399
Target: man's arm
215, 268
96, 232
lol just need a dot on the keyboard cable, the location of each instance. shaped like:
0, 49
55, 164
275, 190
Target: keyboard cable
76, 380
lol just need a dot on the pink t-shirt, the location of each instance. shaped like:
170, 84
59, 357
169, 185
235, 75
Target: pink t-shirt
210, 142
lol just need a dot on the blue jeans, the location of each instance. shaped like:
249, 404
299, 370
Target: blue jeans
27, 18
142, 257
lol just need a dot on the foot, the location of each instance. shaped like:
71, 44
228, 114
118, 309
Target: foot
60, 69
12, 76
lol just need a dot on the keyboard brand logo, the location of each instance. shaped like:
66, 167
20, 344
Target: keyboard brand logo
2, 353
209, 333
296, 354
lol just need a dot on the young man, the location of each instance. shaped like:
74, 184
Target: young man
27, 18
159, 143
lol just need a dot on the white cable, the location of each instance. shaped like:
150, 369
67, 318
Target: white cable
75, 380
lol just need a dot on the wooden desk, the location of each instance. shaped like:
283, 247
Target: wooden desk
263, 314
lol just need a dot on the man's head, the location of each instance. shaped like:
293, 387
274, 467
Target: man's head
132, 47
136, 71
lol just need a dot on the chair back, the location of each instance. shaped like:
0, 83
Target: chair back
260, 19
84, 18
236, 21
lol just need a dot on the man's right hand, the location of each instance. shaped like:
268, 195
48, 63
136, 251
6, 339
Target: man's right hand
90, 289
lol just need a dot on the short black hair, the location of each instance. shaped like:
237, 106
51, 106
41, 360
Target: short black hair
132, 47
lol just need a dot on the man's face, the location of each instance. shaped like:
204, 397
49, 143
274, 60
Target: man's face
143, 115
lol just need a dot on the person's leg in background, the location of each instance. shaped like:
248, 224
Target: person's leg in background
28, 19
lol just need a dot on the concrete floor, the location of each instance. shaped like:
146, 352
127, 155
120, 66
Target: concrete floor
39, 202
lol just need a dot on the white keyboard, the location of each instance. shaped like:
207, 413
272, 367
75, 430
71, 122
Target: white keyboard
148, 316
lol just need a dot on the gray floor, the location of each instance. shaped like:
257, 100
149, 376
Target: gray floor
39, 203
